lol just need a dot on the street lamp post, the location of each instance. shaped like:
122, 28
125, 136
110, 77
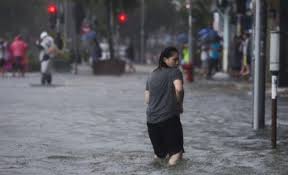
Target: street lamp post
188, 66
190, 32
224, 7
274, 68
226, 39
142, 32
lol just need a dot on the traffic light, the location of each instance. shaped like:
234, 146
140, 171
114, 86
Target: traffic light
52, 12
52, 9
122, 17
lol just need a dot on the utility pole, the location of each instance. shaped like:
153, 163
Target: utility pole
274, 68
259, 74
190, 33
226, 39
263, 62
224, 9
142, 32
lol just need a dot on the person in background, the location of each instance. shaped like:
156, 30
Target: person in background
246, 58
186, 63
18, 50
164, 95
237, 56
48, 50
204, 59
95, 53
214, 57
3, 56
130, 57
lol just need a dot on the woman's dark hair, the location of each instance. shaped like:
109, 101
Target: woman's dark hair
166, 53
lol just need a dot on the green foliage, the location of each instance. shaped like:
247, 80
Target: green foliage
202, 16
33, 62
17, 15
65, 56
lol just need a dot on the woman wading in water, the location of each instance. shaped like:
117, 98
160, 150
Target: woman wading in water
164, 95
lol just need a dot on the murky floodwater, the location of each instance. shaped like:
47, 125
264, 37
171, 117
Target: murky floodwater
96, 125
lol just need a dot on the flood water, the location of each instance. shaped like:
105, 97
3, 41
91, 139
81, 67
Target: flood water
96, 125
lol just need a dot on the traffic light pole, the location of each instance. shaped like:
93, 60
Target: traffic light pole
190, 32
74, 42
58, 18
142, 32
109, 6
189, 70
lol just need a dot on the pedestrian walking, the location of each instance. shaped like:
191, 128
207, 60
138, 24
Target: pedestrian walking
3, 56
214, 57
186, 63
246, 59
130, 57
18, 50
164, 95
237, 56
48, 50
204, 59
95, 51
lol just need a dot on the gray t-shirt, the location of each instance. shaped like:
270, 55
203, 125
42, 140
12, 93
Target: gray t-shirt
162, 99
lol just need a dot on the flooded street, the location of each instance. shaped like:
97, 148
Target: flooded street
97, 125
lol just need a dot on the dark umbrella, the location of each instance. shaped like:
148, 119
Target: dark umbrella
182, 38
203, 31
209, 35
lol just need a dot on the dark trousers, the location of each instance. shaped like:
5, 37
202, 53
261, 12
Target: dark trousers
46, 78
17, 65
213, 65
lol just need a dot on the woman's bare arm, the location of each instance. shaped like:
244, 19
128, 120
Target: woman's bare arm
146, 97
178, 84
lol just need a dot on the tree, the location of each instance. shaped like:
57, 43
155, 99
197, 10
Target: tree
111, 7
202, 16
19, 16
158, 13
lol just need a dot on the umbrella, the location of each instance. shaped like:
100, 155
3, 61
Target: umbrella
209, 35
203, 31
182, 38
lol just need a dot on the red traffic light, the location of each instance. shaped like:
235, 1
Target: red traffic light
52, 9
122, 17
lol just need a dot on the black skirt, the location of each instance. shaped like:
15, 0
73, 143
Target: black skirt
166, 137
